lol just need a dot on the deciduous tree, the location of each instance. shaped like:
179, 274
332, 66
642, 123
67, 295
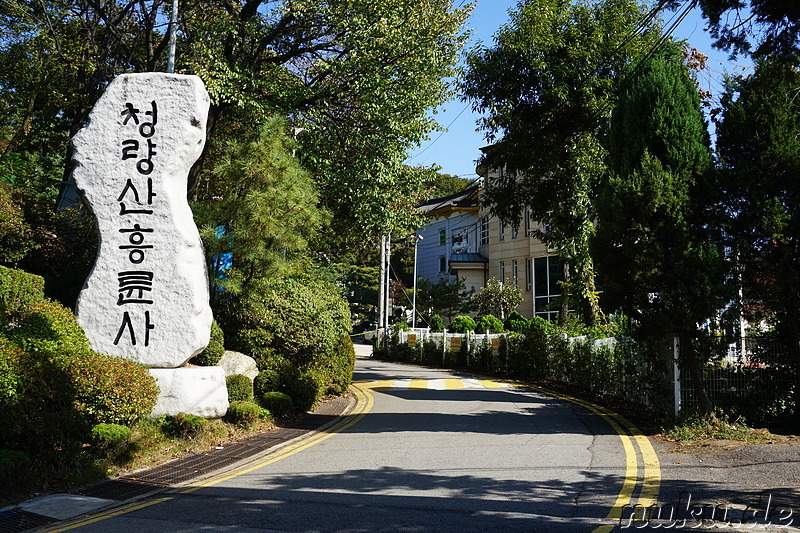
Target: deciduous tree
547, 119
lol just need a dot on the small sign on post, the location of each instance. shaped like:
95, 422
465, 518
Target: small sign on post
496, 347
455, 344
411, 340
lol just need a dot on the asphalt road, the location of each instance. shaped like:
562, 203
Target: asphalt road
423, 450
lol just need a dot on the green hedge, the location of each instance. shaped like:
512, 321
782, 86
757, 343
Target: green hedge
297, 328
239, 388
19, 291
215, 349
54, 388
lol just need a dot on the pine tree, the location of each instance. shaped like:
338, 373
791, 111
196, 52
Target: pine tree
659, 261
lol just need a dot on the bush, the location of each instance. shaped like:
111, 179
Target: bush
12, 463
462, 324
301, 319
15, 234
489, 323
111, 389
108, 436
243, 413
338, 366
277, 403
294, 327
436, 324
515, 322
19, 291
49, 329
186, 426
305, 388
266, 381
215, 349
240, 388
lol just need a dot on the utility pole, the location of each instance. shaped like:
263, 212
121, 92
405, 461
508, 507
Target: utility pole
173, 26
381, 292
417, 238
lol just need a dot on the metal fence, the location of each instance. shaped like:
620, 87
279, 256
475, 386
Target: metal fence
753, 378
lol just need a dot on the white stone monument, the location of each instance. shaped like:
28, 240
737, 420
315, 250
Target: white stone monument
147, 296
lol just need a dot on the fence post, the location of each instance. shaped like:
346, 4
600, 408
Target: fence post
676, 374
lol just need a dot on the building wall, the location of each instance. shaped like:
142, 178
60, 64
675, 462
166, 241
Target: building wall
520, 247
430, 250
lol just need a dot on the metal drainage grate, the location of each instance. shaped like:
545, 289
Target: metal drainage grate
18, 520
119, 489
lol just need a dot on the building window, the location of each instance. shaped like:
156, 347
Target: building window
515, 272
528, 274
502, 272
442, 237
514, 232
546, 289
527, 222
484, 230
502, 230
442, 264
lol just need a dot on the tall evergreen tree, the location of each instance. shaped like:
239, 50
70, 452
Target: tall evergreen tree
759, 149
658, 260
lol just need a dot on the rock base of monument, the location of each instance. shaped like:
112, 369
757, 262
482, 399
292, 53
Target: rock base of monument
198, 391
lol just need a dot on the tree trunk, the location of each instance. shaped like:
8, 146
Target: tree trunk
691, 357
563, 311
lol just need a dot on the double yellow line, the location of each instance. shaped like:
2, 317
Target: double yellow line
629, 434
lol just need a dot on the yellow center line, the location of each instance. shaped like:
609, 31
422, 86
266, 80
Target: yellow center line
365, 402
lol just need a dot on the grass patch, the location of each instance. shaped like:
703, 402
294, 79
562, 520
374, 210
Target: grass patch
695, 428
151, 442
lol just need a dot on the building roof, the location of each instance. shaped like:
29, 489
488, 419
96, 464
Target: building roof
466, 200
468, 258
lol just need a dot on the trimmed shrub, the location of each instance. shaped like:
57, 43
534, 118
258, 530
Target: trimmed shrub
300, 319
489, 323
215, 349
266, 381
437, 325
185, 425
19, 291
108, 436
278, 403
240, 388
461, 324
111, 389
305, 388
50, 329
516, 322
338, 366
243, 413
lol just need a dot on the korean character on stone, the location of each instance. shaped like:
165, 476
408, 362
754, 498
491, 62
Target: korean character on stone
130, 192
136, 239
127, 327
132, 287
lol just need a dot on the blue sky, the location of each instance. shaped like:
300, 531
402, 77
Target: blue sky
457, 149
